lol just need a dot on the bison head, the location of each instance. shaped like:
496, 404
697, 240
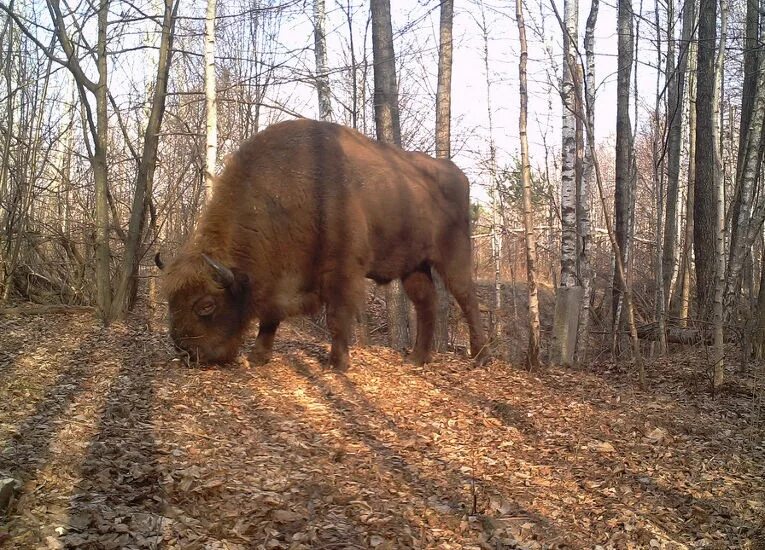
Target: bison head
207, 306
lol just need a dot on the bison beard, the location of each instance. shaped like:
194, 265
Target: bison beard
300, 215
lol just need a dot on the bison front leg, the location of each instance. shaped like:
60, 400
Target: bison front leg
264, 343
456, 275
421, 291
340, 322
343, 297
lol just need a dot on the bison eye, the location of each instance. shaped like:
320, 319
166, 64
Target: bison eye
205, 306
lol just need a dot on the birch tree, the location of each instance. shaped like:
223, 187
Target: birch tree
322, 65
719, 257
528, 215
749, 155
211, 100
587, 180
685, 299
569, 293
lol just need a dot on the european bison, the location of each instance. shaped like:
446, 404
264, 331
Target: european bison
301, 213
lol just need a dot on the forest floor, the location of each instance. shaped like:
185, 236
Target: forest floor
115, 444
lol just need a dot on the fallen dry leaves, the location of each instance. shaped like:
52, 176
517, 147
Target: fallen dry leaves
116, 445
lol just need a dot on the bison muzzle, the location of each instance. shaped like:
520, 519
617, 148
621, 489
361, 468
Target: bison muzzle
299, 216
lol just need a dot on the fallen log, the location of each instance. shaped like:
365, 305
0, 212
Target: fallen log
684, 335
35, 309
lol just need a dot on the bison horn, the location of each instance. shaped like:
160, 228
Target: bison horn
158, 261
226, 276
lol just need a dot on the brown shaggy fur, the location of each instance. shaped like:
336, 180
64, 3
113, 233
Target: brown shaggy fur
301, 214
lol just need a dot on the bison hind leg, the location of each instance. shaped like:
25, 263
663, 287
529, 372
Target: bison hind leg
457, 277
421, 291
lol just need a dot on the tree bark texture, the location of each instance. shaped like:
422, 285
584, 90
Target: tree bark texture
322, 65
443, 150
685, 299
211, 101
749, 159
528, 214
587, 111
624, 154
569, 186
676, 91
388, 129
705, 206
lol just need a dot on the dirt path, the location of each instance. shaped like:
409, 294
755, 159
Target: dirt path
118, 446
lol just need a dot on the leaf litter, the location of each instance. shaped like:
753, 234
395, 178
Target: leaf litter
112, 443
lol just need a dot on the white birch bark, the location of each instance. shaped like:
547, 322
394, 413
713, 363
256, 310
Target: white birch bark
568, 198
685, 300
532, 355
211, 100
322, 65
749, 169
583, 195
719, 286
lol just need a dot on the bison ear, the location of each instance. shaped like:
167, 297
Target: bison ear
205, 306
222, 274
158, 261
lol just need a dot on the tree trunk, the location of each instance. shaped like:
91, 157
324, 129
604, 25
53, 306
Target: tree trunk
624, 153
211, 101
676, 89
583, 194
443, 150
658, 177
145, 178
705, 207
719, 182
569, 294
100, 171
320, 51
749, 158
758, 340
685, 300
528, 214
388, 130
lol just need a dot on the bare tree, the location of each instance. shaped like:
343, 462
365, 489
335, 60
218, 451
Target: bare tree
624, 150
388, 127
495, 192
689, 13
585, 185
211, 100
528, 215
749, 156
569, 293
320, 51
719, 227
705, 205
128, 279
443, 148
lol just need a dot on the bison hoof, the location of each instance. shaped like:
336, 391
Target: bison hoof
339, 363
418, 359
259, 357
